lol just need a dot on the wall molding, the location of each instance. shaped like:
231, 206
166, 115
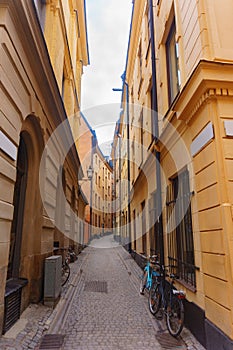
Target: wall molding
209, 94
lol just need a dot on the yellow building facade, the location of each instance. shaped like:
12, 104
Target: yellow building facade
102, 183
180, 64
85, 143
43, 48
98, 187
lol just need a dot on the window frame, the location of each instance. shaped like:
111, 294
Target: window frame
172, 71
181, 254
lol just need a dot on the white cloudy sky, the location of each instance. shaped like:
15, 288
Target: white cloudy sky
108, 25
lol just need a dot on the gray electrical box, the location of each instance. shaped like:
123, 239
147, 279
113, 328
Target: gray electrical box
52, 280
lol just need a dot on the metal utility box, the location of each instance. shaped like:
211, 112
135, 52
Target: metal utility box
52, 280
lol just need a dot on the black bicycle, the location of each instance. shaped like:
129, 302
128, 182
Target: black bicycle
165, 299
65, 270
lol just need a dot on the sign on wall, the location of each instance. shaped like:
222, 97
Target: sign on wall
7, 146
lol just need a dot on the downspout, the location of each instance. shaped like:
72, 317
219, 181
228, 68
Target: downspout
155, 131
128, 162
91, 187
120, 229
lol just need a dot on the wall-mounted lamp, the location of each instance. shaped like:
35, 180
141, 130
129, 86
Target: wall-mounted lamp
90, 172
116, 89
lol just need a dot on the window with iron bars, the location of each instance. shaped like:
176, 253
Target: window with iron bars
154, 225
179, 227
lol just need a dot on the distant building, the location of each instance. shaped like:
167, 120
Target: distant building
102, 184
97, 189
180, 64
85, 143
43, 50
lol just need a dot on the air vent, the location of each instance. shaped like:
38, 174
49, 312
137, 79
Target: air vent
12, 302
51, 341
12, 310
96, 286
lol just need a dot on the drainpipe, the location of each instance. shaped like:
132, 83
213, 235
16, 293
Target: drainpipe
128, 162
120, 221
91, 187
155, 130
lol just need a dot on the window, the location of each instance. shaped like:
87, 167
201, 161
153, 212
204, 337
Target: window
141, 135
144, 239
95, 220
133, 160
140, 68
150, 104
148, 32
134, 229
173, 71
41, 11
179, 227
140, 60
147, 22
63, 86
154, 224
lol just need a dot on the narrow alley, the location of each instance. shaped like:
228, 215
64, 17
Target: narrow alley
116, 154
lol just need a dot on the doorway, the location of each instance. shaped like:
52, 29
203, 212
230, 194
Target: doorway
18, 216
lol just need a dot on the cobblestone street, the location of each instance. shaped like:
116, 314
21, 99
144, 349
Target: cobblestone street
100, 308
111, 315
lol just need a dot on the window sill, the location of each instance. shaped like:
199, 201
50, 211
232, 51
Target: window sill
186, 285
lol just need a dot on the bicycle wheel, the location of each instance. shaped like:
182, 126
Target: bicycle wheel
65, 273
154, 299
175, 316
143, 282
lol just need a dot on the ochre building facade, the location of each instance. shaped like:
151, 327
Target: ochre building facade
178, 83
43, 49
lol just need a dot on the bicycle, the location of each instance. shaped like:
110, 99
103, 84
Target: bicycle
165, 299
65, 269
148, 274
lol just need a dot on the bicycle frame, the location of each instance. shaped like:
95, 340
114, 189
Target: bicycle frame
150, 274
167, 289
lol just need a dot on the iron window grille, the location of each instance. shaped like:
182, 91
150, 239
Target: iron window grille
154, 225
179, 227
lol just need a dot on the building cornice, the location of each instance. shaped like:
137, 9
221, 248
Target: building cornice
208, 80
209, 94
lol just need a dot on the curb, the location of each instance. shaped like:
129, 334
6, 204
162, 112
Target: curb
63, 306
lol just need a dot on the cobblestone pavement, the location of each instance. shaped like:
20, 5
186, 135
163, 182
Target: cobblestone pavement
100, 308
114, 318
36, 320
